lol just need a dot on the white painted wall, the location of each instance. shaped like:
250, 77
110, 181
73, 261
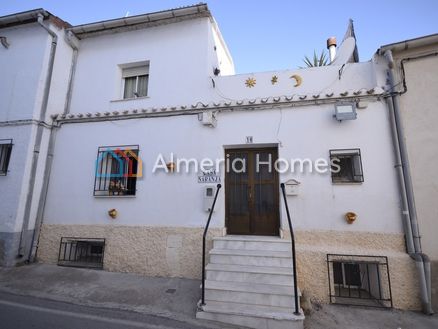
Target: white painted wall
315, 81
179, 67
176, 199
22, 68
221, 55
12, 199
61, 73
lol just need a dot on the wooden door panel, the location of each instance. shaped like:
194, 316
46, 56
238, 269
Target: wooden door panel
264, 208
237, 195
252, 197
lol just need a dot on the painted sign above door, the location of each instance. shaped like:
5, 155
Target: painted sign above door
209, 176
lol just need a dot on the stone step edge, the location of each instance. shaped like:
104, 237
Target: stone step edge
249, 239
253, 269
250, 253
249, 313
222, 286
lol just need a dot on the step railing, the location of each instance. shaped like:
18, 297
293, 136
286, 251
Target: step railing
292, 238
203, 243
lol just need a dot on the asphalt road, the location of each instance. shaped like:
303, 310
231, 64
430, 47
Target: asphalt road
22, 312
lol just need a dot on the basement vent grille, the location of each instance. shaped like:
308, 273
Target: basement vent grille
81, 252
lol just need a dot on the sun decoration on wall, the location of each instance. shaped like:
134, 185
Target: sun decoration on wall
274, 79
250, 82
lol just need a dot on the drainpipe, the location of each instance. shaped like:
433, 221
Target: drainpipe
73, 43
409, 213
42, 202
38, 138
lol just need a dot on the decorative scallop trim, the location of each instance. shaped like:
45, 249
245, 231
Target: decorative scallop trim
293, 100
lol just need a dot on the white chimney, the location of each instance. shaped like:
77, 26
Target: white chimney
331, 46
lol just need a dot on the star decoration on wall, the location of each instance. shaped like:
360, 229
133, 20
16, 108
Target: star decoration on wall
250, 82
274, 79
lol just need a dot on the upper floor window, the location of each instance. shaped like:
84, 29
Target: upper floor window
135, 81
5, 155
346, 166
117, 169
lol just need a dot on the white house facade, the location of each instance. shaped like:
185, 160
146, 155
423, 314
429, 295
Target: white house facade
143, 98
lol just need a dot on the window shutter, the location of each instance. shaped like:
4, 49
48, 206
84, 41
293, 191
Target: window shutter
135, 71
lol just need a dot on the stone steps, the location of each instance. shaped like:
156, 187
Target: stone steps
249, 282
274, 311
252, 317
251, 257
249, 293
254, 274
251, 243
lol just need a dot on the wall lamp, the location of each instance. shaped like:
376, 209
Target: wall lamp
345, 111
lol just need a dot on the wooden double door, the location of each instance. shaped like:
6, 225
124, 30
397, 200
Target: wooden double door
252, 192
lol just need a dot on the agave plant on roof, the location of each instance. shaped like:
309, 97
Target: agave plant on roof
317, 60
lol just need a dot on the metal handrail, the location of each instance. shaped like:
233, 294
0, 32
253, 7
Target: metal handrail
203, 243
294, 263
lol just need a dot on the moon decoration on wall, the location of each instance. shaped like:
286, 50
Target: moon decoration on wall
298, 80
250, 82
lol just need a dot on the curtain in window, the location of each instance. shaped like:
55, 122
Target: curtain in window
130, 87
142, 86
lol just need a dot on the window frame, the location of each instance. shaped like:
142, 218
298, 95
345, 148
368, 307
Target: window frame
137, 70
106, 191
6, 146
351, 153
136, 95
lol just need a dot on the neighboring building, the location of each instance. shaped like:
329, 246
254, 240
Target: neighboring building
148, 90
34, 72
416, 77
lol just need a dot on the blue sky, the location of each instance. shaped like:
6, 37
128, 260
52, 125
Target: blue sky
271, 35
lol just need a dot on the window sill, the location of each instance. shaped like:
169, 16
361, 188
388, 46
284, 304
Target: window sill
115, 196
128, 99
347, 183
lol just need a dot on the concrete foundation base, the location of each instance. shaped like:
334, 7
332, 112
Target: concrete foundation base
9, 247
152, 251
176, 252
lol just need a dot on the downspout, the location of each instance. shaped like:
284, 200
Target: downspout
73, 43
409, 212
38, 138
49, 159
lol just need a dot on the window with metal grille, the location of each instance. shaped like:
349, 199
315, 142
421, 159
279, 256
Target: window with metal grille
359, 280
5, 155
81, 252
135, 81
346, 166
116, 171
